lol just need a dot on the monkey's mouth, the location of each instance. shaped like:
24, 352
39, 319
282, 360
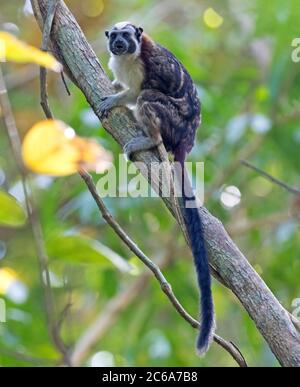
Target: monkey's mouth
119, 49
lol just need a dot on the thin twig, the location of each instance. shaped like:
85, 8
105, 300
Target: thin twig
43, 71
165, 286
267, 176
65, 83
64, 314
113, 308
228, 170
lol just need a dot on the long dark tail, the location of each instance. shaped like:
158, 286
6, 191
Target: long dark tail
194, 228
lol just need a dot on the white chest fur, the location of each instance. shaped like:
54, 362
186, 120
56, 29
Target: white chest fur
128, 70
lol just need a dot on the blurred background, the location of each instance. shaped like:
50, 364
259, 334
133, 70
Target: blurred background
239, 55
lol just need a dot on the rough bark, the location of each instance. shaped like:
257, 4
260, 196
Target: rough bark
83, 67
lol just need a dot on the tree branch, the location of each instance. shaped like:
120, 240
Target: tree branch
82, 66
267, 176
114, 307
45, 41
165, 286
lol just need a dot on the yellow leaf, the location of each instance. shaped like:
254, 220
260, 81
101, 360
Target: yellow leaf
52, 148
13, 49
212, 19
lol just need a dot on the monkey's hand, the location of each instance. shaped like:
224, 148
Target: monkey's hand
120, 99
139, 144
107, 103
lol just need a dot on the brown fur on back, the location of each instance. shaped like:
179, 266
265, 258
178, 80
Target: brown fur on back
170, 91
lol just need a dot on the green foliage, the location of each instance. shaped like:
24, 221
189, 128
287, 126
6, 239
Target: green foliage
78, 248
249, 88
12, 213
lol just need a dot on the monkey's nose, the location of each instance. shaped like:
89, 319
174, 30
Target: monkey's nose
119, 45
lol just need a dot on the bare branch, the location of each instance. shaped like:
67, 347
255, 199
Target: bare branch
114, 307
43, 71
165, 286
267, 176
224, 174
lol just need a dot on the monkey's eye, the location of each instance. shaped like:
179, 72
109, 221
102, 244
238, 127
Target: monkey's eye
113, 35
125, 35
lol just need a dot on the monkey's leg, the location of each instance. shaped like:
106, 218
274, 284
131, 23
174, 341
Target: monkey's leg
141, 143
152, 111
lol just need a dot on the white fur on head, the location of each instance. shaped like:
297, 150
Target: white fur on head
123, 24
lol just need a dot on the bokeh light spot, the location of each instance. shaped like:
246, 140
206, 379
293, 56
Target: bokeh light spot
231, 196
92, 8
102, 359
212, 19
7, 278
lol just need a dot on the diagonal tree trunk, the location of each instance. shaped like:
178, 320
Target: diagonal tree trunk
70, 46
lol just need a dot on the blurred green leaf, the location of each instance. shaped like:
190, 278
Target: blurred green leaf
12, 213
78, 248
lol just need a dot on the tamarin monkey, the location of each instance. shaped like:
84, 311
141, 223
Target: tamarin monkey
166, 105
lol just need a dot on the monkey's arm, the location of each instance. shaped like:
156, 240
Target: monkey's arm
125, 97
122, 98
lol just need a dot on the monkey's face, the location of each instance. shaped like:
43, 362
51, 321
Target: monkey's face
124, 38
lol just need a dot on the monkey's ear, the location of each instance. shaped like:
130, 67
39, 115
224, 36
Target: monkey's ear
139, 31
107, 34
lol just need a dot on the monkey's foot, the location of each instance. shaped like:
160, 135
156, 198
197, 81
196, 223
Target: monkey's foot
106, 104
139, 144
